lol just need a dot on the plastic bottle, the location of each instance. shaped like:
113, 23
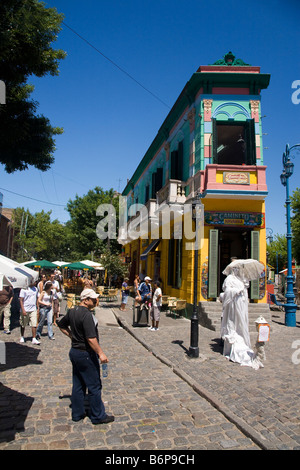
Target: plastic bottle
104, 369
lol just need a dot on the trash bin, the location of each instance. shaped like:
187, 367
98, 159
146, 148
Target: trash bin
140, 316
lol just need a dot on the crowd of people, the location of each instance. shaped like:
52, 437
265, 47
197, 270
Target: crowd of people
145, 297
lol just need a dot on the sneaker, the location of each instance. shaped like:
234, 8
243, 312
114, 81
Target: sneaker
52, 338
35, 341
150, 328
7, 332
155, 329
22, 339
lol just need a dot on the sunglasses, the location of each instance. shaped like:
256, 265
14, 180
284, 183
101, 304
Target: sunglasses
93, 300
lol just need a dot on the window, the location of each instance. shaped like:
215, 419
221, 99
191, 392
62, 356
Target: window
157, 180
177, 163
175, 263
147, 192
234, 142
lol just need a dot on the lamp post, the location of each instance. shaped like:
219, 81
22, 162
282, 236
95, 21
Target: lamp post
198, 211
290, 307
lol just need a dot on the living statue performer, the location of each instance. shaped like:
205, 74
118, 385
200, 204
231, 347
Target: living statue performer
234, 325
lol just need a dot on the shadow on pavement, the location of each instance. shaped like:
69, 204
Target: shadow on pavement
14, 408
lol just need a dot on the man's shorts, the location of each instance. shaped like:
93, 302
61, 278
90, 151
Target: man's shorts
155, 313
29, 319
124, 299
55, 306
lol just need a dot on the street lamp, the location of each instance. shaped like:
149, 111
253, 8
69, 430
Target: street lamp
290, 307
198, 211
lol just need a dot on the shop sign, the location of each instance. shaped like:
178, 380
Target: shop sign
236, 177
248, 219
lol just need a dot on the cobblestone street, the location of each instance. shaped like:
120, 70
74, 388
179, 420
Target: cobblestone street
161, 399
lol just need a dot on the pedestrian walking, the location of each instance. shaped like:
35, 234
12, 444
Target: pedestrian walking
41, 282
81, 326
29, 311
156, 308
6, 296
125, 294
136, 285
45, 302
55, 289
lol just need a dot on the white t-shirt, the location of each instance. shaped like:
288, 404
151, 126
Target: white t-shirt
55, 288
29, 297
157, 302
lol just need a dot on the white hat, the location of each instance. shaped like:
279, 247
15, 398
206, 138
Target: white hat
88, 293
147, 278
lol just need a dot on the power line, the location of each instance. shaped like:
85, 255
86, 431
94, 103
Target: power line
32, 198
116, 65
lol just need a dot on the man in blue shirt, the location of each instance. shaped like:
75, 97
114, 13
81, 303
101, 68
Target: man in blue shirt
145, 291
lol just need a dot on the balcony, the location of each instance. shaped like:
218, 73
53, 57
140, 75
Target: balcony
230, 181
172, 193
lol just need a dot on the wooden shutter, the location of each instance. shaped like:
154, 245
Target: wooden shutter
153, 192
213, 263
171, 262
178, 263
174, 159
159, 179
180, 162
214, 141
250, 142
254, 290
147, 188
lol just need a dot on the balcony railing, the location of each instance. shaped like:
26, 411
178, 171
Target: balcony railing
172, 193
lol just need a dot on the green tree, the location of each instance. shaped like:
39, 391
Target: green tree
277, 252
113, 265
84, 221
37, 236
295, 223
27, 31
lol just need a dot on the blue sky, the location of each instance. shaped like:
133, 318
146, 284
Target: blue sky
109, 120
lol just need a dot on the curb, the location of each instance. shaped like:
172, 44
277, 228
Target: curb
257, 438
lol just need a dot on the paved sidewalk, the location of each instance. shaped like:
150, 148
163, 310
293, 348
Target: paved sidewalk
162, 400
264, 403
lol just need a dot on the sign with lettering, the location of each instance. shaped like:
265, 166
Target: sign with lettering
236, 177
248, 219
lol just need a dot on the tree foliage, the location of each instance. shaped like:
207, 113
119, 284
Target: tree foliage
36, 236
277, 252
84, 220
295, 223
27, 31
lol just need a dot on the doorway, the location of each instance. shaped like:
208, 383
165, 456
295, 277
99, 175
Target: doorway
233, 243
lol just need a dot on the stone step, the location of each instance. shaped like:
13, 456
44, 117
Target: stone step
210, 314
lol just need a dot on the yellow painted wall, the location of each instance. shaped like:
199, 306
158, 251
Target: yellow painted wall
186, 290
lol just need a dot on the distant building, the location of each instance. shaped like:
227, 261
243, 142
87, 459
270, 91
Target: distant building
6, 232
209, 144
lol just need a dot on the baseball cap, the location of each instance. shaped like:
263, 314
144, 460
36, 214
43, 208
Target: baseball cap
88, 294
147, 278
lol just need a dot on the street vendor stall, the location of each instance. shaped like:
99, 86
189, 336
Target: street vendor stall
75, 283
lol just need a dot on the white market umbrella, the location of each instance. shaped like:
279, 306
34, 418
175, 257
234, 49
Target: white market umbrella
249, 269
93, 264
4, 281
20, 267
16, 274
